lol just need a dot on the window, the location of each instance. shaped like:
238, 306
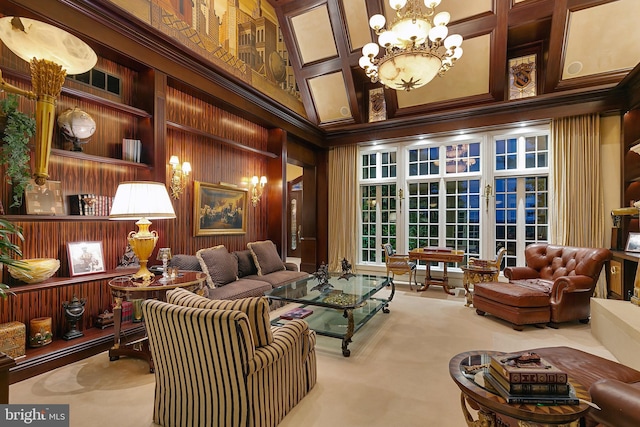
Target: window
474, 193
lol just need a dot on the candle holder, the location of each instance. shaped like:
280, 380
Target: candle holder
164, 255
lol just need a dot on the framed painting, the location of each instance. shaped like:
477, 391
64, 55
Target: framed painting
44, 199
219, 209
633, 243
85, 258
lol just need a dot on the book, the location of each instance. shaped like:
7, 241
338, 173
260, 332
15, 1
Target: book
531, 388
533, 399
532, 372
296, 313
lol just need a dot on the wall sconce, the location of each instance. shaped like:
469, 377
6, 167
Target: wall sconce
179, 176
52, 53
257, 188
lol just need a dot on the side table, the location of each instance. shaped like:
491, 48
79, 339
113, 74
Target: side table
476, 274
467, 371
436, 256
123, 288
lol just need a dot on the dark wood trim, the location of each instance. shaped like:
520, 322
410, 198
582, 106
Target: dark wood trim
64, 281
79, 155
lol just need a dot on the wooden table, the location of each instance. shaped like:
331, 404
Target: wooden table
123, 288
421, 254
467, 370
476, 274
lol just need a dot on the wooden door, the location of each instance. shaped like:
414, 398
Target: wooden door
294, 217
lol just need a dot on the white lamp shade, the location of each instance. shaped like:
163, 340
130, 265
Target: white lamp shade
397, 4
453, 41
364, 62
377, 21
43, 41
387, 39
370, 50
431, 3
141, 199
407, 30
186, 168
457, 53
438, 33
441, 18
174, 160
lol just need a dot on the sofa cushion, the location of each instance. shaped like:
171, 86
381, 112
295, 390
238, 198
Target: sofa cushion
246, 265
266, 257
220, 266
256, 309
185, 262
241, 288
280, 278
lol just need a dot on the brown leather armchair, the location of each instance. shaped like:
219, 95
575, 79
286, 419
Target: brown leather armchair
556, 286
618, 402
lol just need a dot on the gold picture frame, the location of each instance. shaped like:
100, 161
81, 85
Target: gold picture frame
219, 209
44, 199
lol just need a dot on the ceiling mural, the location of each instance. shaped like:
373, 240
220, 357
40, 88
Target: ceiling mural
241, 37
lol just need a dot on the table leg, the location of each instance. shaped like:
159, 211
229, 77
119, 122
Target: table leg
484, 419
117, 325
427, 279
346, 340
445, 281
465, 282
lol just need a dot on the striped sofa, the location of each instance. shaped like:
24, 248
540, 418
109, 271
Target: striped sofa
220, 363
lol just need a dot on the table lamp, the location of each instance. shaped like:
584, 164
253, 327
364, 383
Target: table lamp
142, 201
52, 54
164, 255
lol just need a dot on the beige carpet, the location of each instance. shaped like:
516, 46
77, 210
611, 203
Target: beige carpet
397, 374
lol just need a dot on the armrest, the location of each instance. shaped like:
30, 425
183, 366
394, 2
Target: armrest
290, 266
396, 258
618, 403
284, 339
566, 284
517, 273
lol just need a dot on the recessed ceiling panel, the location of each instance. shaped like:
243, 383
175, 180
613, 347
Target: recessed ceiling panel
355, 12
469, 76
329, 93
602, 39
313, 34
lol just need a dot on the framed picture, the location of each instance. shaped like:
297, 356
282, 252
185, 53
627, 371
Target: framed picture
85, 258
44, 199
633, 243
219, 209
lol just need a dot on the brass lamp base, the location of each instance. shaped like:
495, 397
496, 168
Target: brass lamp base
142, 243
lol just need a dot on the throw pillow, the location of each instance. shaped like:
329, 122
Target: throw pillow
185, 262
220, 266
246, 266
256, 309
266, 257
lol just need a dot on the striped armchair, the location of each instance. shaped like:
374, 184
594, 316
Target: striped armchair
219, 363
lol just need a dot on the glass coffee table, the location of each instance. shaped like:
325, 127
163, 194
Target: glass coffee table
338, 310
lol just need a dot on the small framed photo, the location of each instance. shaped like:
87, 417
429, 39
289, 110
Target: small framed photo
633, 243
44, 199
85, 258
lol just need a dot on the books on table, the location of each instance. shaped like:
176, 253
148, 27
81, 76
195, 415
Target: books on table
528, 378
296, 313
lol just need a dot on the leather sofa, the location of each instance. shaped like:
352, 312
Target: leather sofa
618, 401
555, 286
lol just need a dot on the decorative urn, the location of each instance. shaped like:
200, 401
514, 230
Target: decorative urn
73, 312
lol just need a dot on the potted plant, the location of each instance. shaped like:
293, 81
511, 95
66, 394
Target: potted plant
9, 250
15, 153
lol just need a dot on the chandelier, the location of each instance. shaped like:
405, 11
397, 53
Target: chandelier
416, 46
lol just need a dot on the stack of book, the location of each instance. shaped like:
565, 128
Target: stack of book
90, 204
131, 150
529, 379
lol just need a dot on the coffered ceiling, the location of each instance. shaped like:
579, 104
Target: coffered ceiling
578, 45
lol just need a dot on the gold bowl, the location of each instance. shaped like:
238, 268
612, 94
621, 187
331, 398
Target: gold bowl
38, 269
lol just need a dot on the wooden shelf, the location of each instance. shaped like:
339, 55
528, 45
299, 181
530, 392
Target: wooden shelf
39, 218
98, 159
63, 281
61, 352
